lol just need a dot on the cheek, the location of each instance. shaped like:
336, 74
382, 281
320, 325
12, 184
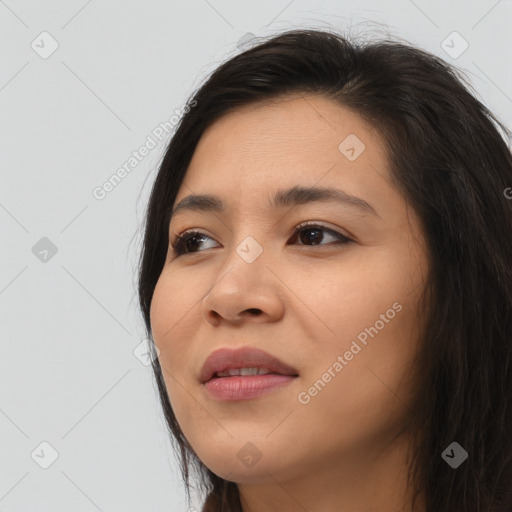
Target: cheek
328, 311
366, 399
175, 299
373, 325
172, 313
170, 317
162, 313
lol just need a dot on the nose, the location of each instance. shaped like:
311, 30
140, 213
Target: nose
244, 292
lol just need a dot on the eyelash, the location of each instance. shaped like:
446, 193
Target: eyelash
182, 239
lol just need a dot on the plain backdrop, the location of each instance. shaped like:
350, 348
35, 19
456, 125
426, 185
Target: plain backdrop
83, 83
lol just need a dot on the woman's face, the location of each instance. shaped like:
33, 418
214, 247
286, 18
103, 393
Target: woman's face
342, 313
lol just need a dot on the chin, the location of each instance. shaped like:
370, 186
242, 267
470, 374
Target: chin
259, 474
246, 461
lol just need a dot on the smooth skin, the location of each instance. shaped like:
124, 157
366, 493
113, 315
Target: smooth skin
305, 299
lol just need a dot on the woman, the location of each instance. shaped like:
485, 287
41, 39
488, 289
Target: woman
326, 274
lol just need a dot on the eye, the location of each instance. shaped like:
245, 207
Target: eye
188, 241
314, 234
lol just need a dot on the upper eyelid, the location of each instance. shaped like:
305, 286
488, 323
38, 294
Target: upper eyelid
212, 216
300, 226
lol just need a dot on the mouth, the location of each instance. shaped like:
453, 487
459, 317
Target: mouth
244, 362
244, 373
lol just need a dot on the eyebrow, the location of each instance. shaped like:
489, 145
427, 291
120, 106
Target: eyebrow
290, 197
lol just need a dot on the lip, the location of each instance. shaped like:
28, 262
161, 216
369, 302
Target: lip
230, 389
245, 357
234, 388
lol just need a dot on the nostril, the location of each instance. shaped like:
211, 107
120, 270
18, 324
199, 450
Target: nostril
256, 311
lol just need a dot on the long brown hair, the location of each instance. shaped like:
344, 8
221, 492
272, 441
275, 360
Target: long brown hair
452, 164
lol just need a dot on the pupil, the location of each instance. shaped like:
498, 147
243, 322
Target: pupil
311, 239
194, 241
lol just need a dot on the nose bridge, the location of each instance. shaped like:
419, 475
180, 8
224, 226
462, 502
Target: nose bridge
244, 265
243, 284
250, 238
250, 250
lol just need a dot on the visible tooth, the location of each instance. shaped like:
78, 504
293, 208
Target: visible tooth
228, 373
243, 372
249, 371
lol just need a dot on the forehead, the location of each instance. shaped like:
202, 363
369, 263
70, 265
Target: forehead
297, 140
304, 125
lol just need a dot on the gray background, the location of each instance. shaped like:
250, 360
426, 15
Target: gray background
69, 321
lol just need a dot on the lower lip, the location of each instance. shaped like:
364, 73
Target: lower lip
247, 387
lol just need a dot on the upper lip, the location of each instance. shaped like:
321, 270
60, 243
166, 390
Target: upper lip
245, 357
